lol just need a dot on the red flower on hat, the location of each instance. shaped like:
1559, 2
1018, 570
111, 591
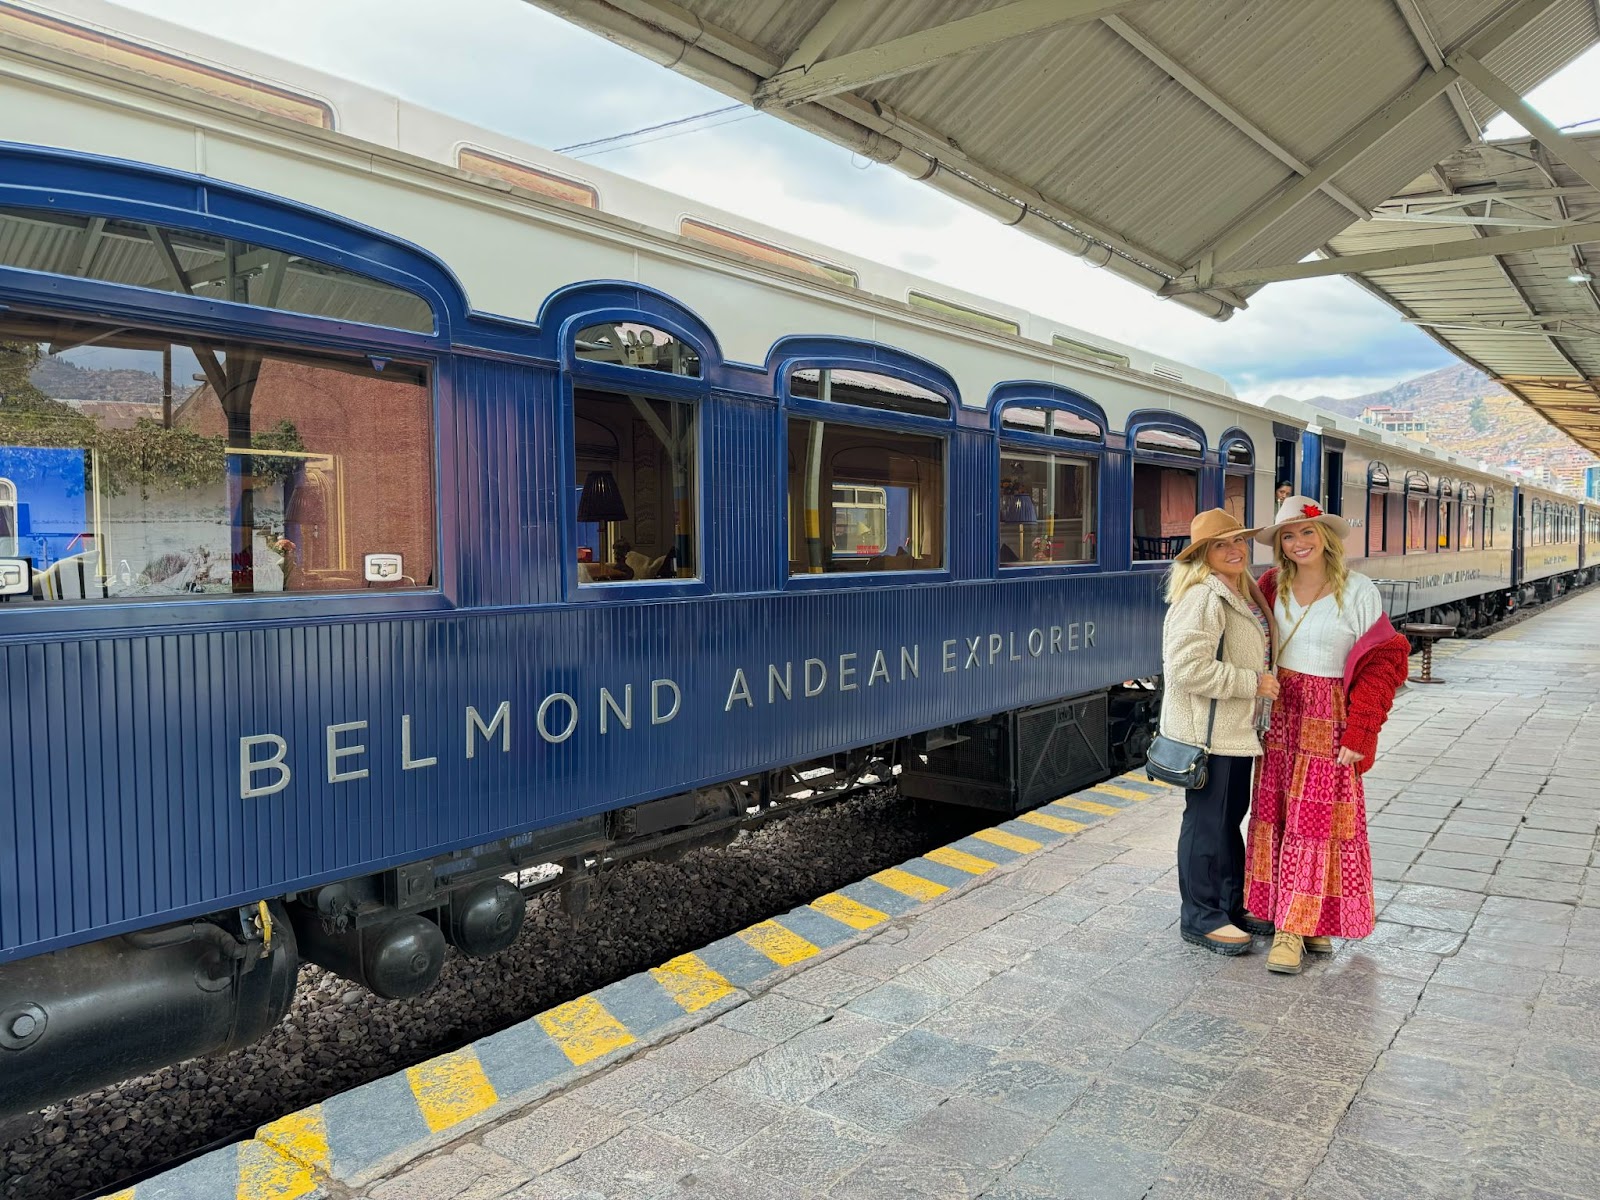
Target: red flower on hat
1311, 510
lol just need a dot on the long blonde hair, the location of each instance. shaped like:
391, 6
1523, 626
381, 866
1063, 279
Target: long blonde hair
1191, 572
1332, 556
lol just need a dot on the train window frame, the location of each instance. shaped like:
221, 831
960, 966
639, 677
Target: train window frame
1063, 416
246, 261
1468, 502
1378, 484
1487, 537
1141, 424
1417, 489
436, 592
1243, 468
639, 383
1445, 535
846, 414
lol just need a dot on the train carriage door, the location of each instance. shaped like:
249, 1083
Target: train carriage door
1518, 503
1285, 438
1333, 475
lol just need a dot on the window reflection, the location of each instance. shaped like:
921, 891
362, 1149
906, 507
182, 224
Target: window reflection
145, 467
864, 499
1047, 509
203, 265
628, 344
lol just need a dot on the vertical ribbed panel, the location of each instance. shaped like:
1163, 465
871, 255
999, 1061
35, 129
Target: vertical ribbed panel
120, 773
504, 478
744, 487
974, 493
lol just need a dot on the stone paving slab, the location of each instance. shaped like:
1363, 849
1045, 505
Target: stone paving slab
1041, 1032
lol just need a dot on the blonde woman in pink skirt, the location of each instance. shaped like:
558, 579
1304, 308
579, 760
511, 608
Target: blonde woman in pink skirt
1339, 664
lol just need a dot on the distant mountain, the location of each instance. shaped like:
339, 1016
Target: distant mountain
66, 381
1470, 414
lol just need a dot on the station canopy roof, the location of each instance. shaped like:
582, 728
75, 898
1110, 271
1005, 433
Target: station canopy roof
1529, 315
1197, 147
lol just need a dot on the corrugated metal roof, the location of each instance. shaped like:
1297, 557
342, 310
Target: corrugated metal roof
1137, 134
1528, 318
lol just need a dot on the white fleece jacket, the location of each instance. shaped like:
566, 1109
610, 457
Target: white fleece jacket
1195, 676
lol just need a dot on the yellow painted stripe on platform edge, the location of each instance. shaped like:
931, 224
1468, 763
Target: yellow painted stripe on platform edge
690, 982
1160, 783
1008, 841
267, 1173
1088, 806
960, 860
911, 885
302, 1136
777, 943
584, 1029
849, 912
1046, 821
451, 1088
1121, 793
125, 1194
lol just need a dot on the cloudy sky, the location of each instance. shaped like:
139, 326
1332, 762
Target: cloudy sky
506, 65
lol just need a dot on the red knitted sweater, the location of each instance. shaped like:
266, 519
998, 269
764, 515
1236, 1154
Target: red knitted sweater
1375, 671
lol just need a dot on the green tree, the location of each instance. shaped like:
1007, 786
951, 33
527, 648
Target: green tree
1478, 415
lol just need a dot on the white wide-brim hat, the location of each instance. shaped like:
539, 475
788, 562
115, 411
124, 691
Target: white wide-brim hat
1297, 510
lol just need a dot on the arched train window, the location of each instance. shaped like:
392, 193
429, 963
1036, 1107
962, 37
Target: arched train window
1378, 542
1166, 489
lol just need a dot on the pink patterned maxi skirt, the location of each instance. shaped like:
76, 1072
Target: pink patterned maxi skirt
1308, 864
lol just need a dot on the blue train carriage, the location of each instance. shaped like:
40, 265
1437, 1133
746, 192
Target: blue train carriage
340, 613
1436, 530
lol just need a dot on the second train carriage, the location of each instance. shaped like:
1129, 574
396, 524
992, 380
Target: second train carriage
336, 608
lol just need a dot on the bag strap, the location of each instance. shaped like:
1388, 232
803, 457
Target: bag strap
1211, 719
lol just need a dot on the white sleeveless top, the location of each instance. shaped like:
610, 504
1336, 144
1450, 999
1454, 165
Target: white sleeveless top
1329, 632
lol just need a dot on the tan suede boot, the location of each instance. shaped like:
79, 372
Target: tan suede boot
1319, 945
1285, 956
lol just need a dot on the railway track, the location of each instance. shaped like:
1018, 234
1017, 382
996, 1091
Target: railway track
338, 1036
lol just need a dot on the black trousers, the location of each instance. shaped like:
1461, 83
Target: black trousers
1211, 846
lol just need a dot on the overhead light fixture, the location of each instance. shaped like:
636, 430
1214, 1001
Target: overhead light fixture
1580, 276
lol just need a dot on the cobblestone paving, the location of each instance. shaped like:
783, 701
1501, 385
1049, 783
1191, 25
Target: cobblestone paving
1047, 1035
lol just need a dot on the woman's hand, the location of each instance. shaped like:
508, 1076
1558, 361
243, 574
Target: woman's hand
1349, 757
1267, 685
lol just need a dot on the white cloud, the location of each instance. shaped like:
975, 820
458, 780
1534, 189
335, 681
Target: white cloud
512, 67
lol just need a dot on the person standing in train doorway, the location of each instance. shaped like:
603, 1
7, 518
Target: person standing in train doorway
1215, 652
1339, 663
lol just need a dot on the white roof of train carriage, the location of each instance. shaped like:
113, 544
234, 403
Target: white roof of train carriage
1188, 145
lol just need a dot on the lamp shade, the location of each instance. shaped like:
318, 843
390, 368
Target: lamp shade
601, 499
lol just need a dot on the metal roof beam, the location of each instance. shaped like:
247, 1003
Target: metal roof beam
1406, 256
917, 51
1434, 218
1427, 88
823, 34
1564, 147
1192, 84
1429, 45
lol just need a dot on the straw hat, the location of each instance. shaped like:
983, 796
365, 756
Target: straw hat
1297, 510
1208, 527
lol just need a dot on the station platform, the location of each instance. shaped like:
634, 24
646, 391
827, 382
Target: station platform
1015, 1018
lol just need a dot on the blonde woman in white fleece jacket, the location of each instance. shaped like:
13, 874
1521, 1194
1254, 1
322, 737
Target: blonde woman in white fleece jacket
1216, 645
